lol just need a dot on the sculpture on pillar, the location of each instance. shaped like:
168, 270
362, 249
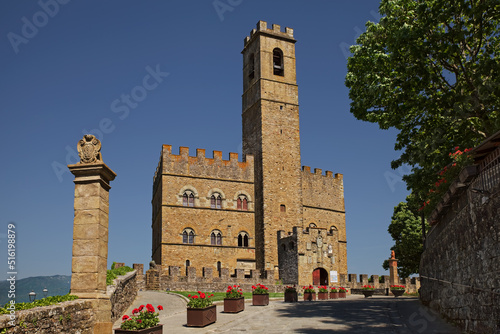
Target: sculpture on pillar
393, 269
90, 249
89, 149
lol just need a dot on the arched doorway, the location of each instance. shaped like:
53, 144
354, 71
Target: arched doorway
320, 276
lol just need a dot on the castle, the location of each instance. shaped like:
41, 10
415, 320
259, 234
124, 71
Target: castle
262, 214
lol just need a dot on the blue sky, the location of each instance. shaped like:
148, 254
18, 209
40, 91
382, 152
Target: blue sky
65, 73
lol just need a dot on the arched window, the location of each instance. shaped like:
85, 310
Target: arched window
278, 68
292, 245
242, 203
282, 208
333, 229
188, 236
243, 239
251, 69
216, 238
312, 225
188, 198
216, 201
188, 263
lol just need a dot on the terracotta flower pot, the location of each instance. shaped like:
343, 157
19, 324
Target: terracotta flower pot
334, 295
322, 295
291, 297
234, 305
342, 294
310, 296
397, 293
201, 317
260, 300
151, 330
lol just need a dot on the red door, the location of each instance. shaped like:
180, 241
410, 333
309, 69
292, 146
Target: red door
316, 276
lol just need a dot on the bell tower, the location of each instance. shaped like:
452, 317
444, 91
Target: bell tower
271, 133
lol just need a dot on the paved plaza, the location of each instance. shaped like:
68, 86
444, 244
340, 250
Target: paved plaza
356, 314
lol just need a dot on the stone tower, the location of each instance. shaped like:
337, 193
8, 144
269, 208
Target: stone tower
270, 119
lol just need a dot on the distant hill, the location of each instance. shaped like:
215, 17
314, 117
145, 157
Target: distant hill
56, 285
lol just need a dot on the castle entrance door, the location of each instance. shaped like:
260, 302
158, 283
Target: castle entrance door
320, 276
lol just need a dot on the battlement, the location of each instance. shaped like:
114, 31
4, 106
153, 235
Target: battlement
275, 31
202, 166
318, 171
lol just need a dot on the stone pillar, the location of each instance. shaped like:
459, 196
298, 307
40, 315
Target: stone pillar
393, 270
90, 230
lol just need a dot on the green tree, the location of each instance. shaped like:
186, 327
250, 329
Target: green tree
406, 230
431, 69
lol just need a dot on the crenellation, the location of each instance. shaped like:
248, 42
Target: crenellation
200, 153
261, 25
184, 152
275, 29
318, 171
217, 155
233, 157
200, 165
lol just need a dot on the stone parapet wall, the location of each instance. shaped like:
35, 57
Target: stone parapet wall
200, 165
76, 316
461, 262
351, 281
170, 279
122, 293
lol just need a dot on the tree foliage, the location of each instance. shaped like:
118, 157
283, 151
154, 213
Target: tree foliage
431, 69
406, 230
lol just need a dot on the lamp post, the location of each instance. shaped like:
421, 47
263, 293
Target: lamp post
45, 292
32, 296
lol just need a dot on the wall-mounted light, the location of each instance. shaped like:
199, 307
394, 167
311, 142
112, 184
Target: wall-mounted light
480, 191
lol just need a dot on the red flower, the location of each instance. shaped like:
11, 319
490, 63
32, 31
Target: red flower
199, 292
135, 311
189, 295
195, 297
150, 308
202, 295
160, 307
125, 317
141, 307
139, 320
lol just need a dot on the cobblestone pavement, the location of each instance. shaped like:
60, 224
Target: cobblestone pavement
356, 314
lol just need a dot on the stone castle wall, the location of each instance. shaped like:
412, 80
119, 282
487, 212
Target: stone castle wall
203, 176
323, 201
122, 293
461, 263
76, 316
304, 250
